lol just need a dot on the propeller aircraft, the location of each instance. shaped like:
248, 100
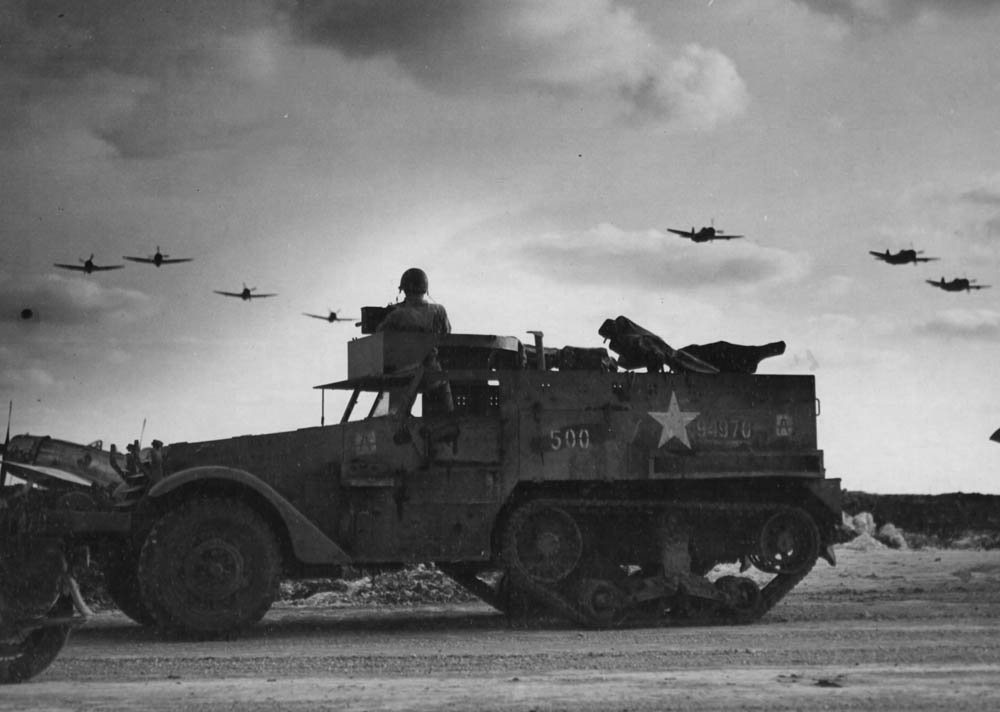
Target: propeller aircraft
246, 295
902, 257
158, 259
331, 318
959, 284
704, 234
88, 266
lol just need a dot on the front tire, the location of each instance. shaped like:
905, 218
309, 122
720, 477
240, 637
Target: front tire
209, 568
36, 651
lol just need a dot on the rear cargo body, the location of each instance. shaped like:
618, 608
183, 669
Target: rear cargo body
665, 426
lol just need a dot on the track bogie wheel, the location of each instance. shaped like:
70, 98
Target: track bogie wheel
741, 594
601, 601
209, 568
543, 543
787, 543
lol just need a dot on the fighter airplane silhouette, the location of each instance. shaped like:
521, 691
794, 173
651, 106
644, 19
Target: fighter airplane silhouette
959, 284
331, 318
902, 257
246, 295
704, 234
158, 259
88, 266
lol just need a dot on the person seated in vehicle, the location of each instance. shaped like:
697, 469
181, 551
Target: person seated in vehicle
416, 314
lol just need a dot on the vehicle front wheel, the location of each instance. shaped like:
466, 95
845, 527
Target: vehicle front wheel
22, 659
209, 568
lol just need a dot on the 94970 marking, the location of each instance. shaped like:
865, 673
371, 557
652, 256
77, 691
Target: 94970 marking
724, 429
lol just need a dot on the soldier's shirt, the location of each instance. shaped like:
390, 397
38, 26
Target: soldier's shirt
421, 316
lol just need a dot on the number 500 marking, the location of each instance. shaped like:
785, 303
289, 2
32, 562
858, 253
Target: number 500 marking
569, 438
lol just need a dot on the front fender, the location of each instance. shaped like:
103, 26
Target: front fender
309, 544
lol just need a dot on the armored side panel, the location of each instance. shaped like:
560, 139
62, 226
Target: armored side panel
301, 465
432, 495
386, 353
595, 426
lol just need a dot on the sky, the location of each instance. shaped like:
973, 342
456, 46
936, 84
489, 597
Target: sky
529, 156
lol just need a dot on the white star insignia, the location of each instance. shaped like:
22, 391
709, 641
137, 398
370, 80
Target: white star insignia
674, 423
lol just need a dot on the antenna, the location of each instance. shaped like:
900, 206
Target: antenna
142, 432
6, 442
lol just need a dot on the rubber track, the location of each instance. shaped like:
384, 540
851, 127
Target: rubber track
558, 603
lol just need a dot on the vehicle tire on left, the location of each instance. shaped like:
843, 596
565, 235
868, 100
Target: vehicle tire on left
38, 649
209, 568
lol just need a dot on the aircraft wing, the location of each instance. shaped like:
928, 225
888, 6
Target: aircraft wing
925, 259
979, 286
261, 296
106, 267
877, 255
147, 260
935, 284
78, 268
316, 316
723, 236
229, 294
683, 233
30, 473
175, 260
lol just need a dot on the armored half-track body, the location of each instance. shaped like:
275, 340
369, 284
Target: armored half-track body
602, 496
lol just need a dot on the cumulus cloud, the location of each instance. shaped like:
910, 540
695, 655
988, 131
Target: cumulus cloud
989, 197
884, 13
980, 209
145, 77
31, 377
152, 79
66, 300
971, 324
608, 255
573, 48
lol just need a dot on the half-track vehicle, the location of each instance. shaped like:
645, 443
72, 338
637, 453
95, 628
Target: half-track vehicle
546, 481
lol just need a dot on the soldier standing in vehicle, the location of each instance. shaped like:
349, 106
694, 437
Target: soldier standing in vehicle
416, 314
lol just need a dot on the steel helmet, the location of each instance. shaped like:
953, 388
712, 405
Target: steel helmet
414, 280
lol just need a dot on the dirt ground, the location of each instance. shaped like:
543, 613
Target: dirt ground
884, 630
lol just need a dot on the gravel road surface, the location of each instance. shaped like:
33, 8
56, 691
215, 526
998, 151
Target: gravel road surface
884, 630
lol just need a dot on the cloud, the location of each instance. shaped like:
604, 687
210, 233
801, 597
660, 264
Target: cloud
67, 300
151, 80
969, 324
146, 78
886, 13
566, 48
18, 370
989, 197
607, 255
31, 377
